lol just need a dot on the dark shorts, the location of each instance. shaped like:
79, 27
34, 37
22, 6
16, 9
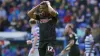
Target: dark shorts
74, 51
46, 48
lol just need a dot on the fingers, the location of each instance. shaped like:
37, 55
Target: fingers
47, 2
32, 51
28, 41
43, 2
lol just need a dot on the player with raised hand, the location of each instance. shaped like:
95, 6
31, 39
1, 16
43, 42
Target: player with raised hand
47, 18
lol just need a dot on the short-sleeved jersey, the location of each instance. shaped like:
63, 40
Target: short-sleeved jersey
35, 33
47, 26
88, 41
72, 37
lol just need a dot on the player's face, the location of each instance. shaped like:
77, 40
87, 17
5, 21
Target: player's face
67, 29
43, 9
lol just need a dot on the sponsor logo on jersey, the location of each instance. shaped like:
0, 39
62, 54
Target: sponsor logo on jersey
45, 20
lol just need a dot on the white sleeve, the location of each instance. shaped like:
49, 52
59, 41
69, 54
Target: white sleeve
35, 33
91, 38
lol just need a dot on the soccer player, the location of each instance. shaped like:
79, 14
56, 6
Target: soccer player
35, 38
89, 43
47, 18
72, 47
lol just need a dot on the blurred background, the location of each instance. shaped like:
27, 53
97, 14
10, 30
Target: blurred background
15, 29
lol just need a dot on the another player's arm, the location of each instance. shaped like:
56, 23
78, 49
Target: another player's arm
35, 41
69, 45
67, 48
53, 12
92, 45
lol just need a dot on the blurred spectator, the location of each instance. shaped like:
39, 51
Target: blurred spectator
21, 6
14, 12
6, 23
7, 51
1, 24
2, 12
13, 22
19, 25
18, 51
57, 3
61, 15
96, 14
61, 12
84, 2
74, 9
22, 15
35, 2
73, 18
82, 9
67, 18
28, 6
88, 16
24, 52
80, 19
71, 2
26, 26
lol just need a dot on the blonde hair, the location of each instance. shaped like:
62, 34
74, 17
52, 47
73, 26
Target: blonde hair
69, 25
32, 21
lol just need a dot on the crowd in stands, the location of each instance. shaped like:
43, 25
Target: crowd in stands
81, 13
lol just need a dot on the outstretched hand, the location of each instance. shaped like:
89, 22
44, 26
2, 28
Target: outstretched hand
29, 42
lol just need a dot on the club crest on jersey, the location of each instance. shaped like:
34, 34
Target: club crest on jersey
71, 35
45, 20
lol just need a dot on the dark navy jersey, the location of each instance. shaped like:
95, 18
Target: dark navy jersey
72, 37
47, 26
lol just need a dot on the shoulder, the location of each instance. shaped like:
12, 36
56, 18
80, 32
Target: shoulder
90, 35
37, 28
71, 35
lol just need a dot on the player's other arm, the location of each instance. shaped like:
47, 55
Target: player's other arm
51, 10
29, 41
69, 45
31, 13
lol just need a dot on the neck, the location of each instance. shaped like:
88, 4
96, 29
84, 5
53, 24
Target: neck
32, 25
70, 32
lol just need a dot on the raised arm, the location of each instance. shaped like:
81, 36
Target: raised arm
51, 10
32, 13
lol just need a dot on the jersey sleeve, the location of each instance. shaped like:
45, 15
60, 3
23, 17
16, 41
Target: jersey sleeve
72, 37
91, 38
55, 18
35, 32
